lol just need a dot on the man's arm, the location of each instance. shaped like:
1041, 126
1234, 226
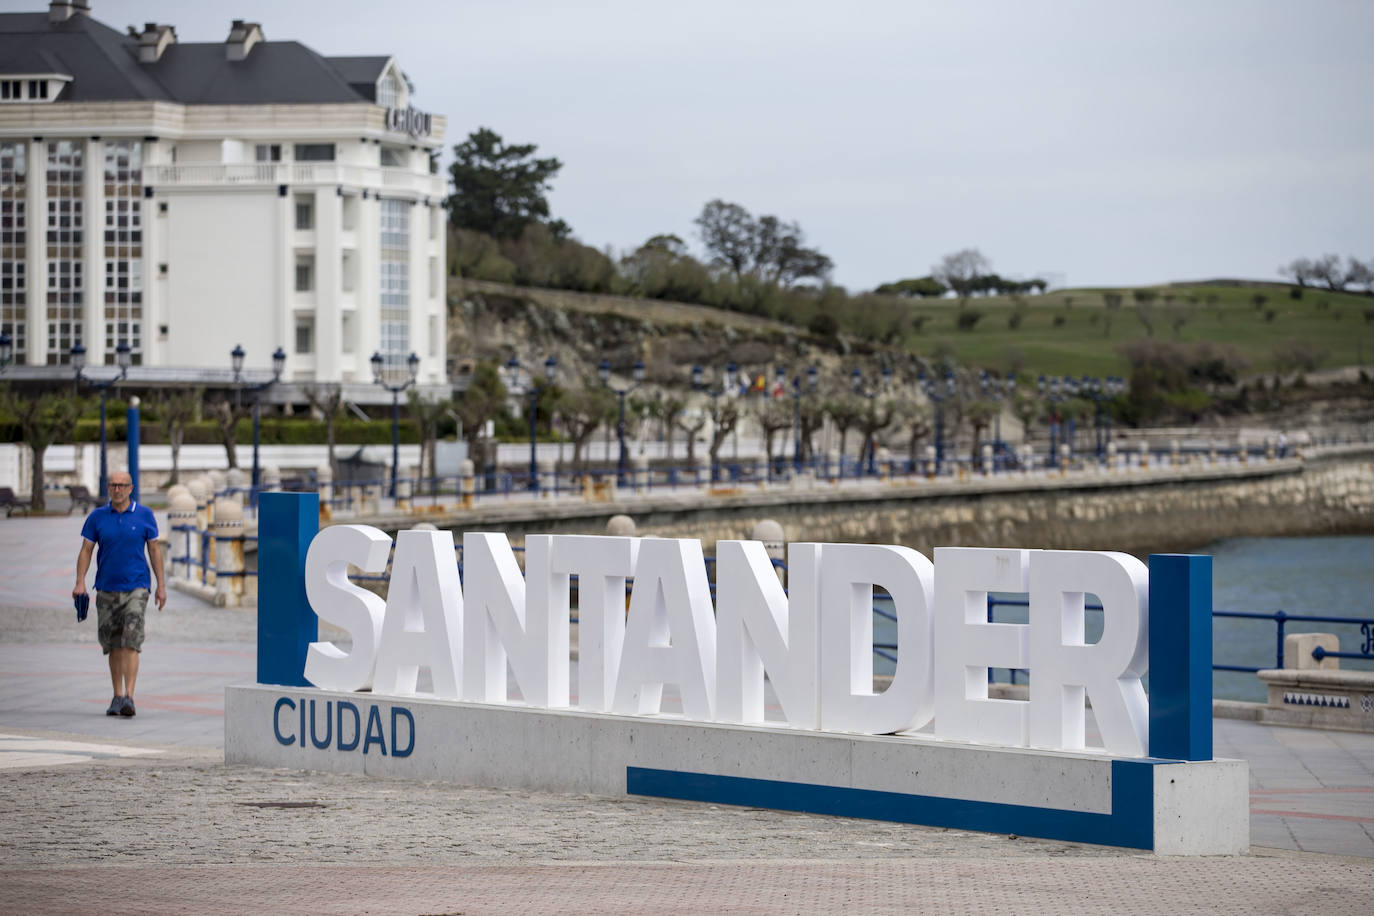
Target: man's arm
155, 557
83, 563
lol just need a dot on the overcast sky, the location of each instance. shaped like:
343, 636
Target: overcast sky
1087, 142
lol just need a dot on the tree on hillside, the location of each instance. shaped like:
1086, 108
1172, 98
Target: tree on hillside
961, 271
916, 287
1300, 270
500, 189
43, 420
766, 248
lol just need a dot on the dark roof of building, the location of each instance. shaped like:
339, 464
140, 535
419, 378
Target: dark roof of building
104, 66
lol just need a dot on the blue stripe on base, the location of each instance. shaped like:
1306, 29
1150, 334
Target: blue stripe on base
1130, 824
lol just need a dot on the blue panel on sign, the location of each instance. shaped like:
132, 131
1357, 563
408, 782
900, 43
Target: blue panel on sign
287, 523
1130, 823
1181, 656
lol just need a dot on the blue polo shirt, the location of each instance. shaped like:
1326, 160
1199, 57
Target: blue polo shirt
119, 538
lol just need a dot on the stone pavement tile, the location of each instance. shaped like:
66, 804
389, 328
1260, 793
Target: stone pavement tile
1129, 884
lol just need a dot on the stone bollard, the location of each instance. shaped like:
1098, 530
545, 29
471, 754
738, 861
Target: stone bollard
177, 489
199, 488
1175, 454
467, 483
424, 526
1297, 651
270, 479
621, 526
237, 479
930, 455
774, 542
884, 457
832, 466
1111, 456
183, 544
324, 485
1212, 453
218, 481
987, 460
761, 471
228, 536
1269, 450
703, 473
639, 473
548, 477
403, 501
1064, 456
1144, 455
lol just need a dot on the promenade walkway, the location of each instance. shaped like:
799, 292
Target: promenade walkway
142, 816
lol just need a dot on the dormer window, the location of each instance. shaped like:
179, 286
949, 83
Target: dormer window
40, 87
390, 90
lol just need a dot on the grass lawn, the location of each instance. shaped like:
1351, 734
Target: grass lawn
1073, 332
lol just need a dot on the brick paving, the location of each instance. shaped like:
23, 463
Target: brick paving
89, 827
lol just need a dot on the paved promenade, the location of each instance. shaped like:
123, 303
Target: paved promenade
141, 815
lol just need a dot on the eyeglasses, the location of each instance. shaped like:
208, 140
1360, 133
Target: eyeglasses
113, 485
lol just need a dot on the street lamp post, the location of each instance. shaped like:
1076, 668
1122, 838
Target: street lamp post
857, 377
727, 385
812, 378
937, 394
123, 356
278, 364
412, 373
550, 370
604, 370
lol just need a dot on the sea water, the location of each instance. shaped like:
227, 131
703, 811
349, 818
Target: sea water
1320, 577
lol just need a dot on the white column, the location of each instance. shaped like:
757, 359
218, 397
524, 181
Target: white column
93, 251
367, 314
328, 283
36, 250
419, 285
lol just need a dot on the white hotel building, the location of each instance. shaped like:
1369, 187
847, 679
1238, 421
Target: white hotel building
186, 197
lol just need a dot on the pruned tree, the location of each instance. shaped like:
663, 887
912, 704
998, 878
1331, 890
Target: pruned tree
844, 411
327, 401
484, 398
725, 417
43, 420
427, 414
227, 414
812, 419
917, 417
874, 417
582, 410
178, 407
691, 422
774, 415
980, 416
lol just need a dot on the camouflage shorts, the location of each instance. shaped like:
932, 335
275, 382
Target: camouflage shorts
121, 619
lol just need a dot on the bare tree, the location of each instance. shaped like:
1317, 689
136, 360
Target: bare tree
844, 411
427, 416
227, 416
774, 415
960, 271
726, 417
327, 401
582, 410
691, 422
874, 417
179, 407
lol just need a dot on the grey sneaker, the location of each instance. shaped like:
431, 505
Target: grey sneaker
115, 706
128, 708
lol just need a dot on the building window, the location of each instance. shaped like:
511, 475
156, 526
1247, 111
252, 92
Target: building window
346, 332
123, 179
350, 212
389, 91
305, 273
434, 336
11, 89
305, 334
314, 152
348, 267
433, 277
435, 220
65, 175
394, 271
305, 213
267, 152
14, 309
393, 157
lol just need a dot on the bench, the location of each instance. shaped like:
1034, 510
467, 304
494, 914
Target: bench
10, 502
81, 498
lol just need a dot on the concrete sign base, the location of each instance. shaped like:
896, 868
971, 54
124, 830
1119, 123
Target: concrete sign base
1172, 807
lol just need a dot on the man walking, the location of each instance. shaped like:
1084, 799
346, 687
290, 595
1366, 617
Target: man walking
121, 529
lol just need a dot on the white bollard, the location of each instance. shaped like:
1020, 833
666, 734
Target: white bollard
228, 534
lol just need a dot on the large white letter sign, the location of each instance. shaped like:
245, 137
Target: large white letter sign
1062, 666
601, 564
759, 628
969, 645
670, 633
848, 574
547, 623
336, 600
424, 616
497, 625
